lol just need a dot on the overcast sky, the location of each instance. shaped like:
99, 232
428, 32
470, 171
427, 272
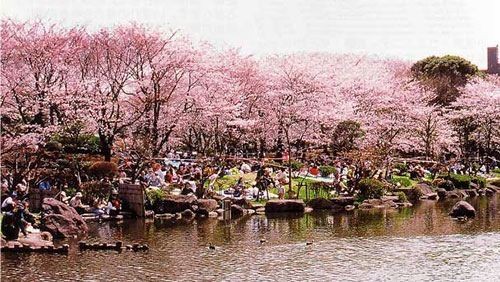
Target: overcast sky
388, 28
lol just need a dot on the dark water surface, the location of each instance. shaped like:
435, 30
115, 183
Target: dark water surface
417, 244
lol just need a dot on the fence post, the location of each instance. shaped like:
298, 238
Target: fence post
226, 206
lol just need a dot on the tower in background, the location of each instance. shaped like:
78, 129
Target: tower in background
493, 66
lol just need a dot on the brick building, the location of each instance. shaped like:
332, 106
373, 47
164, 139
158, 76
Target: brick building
493, 65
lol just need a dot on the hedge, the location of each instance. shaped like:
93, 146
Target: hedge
370, 188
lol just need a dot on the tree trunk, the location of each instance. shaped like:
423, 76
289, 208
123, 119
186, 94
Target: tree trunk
105, 144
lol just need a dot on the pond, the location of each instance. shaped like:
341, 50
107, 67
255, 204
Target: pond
415, 244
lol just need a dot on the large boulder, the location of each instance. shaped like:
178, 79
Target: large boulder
441, 193
424, 191
343, 201
61, 220
285, 206
320, 204
207, 204
187, 213
453, 195
378, 204
471, 192
462, 208
237, 211
244, 203
174, 204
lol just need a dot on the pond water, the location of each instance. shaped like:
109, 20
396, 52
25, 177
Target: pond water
416, 244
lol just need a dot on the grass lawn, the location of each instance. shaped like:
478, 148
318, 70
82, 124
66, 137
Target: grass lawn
405, 181
228, 181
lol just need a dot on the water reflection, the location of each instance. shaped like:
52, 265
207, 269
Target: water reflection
416, 243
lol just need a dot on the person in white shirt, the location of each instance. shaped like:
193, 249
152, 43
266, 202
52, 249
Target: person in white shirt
9, 203
245, 168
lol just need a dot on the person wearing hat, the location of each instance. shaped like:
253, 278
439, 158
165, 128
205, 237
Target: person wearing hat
63, 198
10, 202
76, 203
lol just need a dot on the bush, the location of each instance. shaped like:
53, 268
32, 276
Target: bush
402, 167
479, 180
95, 189
460, 181
326, 170
403, 180
370, 188
402, 197
496, 170
102, 169
296, 165
155, 195
444, 183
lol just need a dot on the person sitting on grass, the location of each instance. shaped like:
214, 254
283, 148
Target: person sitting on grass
189, 186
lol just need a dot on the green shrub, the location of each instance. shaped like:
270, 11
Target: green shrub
496, 170
95, 189
402, 197
403, 180
70, 191
326, 170
461, 181
155, 195
370, 188
402, 167
296, 165
479, 180
102, 169
444, 183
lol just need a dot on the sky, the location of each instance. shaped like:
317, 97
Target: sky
409, 30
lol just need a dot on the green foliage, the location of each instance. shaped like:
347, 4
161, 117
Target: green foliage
461, 181
73, 139
402, 197
444, 75
403, 180
326, 170
496, 170
402, 167
70, 191
443, 183
296, 165
102, 169
155, 195
479, 180
450, 66
370, 188
96, 189
345, 135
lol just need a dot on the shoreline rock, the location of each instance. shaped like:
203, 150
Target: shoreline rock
461, 209
61, 220
276, 206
